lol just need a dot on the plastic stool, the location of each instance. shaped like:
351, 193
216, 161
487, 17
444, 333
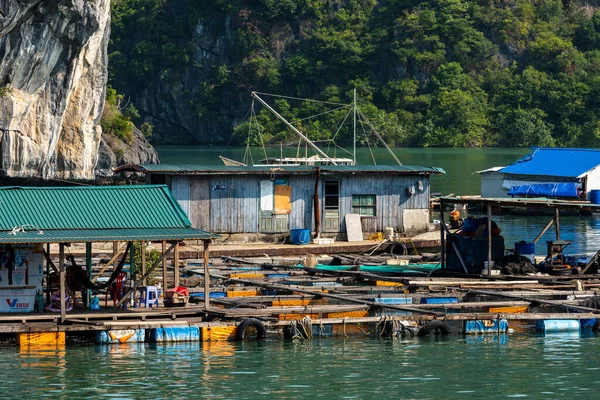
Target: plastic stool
149, 296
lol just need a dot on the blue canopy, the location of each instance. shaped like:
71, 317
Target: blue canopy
545, 190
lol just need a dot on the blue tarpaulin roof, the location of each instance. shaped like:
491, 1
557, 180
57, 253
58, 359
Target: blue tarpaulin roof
565, 162
545, 190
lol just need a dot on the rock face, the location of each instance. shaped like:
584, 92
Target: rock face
113, 152
53, 73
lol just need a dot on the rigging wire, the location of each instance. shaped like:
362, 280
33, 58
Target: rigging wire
360, 113
301, 99
367, 140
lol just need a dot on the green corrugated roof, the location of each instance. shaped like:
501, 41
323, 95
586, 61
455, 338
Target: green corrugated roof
104, 235
267, 169
141, 212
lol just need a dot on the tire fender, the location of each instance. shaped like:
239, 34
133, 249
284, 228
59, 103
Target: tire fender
261, 331
436, 326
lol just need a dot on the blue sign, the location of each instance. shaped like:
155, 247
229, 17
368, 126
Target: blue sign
219, 187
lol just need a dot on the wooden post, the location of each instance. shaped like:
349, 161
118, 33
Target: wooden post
132, 275
489, 232
62, 278
143, 254
164, 268
206, 275
556, 214
48, 282
88, 268
115, 251
442, 237
176, 264
543, 231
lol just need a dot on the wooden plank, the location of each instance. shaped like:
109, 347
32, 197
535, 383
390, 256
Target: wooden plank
353, 227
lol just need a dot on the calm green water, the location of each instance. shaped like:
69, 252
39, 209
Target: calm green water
459, 164
481, 367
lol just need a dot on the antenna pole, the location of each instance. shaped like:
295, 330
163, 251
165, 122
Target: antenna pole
354, 141
293, 128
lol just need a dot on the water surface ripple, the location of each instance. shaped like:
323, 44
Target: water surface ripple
457, 367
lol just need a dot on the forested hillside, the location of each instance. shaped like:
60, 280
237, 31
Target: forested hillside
438, 73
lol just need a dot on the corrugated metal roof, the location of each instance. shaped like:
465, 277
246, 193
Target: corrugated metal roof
74, 212
193, 169
104, 235
565, 162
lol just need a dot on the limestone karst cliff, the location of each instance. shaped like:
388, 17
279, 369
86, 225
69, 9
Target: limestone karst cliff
53, 73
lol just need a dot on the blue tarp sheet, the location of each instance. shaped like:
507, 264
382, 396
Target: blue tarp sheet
545, 190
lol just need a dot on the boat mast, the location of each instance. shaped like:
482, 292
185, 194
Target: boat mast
354, 141
293, 128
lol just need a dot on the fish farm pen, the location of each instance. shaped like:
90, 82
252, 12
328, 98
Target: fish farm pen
472, 287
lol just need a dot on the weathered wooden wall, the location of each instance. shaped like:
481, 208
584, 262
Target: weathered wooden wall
230, 203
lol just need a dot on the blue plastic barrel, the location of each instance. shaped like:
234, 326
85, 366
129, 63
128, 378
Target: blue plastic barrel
525, 249
595, 196
300, 236
439, 300
557, 325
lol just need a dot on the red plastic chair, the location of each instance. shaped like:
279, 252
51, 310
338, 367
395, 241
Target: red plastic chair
116, 289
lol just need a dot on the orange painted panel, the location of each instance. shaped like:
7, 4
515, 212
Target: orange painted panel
349, 314
291, 302
283, 199
41, 338
512, 310
218, 333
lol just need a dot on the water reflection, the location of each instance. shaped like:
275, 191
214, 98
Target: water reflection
474, 366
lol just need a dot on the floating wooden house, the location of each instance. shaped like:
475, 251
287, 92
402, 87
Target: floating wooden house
263, 201
35, 217
546, 172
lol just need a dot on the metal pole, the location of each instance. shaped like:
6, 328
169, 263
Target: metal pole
206, 275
